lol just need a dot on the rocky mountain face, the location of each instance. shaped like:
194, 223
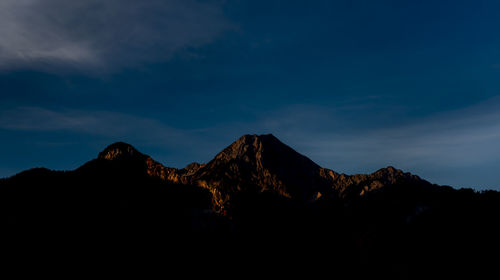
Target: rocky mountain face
261, 164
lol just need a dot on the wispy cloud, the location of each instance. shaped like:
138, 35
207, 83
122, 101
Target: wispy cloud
37, 33
462, 137
183, 145
101, 123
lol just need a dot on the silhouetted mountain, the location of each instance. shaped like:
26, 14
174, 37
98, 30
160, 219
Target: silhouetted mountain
258, 201
119, 189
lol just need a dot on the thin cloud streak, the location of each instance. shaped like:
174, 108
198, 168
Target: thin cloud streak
101, 123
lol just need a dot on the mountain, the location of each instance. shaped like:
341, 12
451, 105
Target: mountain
261, 164
258, 205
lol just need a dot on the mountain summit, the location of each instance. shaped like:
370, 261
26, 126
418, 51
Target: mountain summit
120, 151
261, 148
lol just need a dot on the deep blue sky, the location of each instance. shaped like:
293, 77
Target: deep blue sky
354, 85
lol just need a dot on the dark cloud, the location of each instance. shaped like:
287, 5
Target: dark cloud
109, 33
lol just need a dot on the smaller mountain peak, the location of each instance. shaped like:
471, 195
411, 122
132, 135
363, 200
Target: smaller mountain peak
391, 174
390, 171
120, 150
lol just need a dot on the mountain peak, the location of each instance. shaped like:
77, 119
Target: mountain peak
265, 149
254, 146
255, 140
119, 151
392, 174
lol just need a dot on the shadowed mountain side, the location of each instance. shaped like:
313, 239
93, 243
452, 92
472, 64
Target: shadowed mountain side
261, 207
111, 193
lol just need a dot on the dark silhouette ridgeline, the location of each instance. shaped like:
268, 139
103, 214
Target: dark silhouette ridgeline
257, 206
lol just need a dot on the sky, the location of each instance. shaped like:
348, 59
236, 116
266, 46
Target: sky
354, 85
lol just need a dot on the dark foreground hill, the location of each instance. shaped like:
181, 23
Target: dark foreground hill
258, 208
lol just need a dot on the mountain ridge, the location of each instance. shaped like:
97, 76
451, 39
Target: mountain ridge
257, 163
258, 199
